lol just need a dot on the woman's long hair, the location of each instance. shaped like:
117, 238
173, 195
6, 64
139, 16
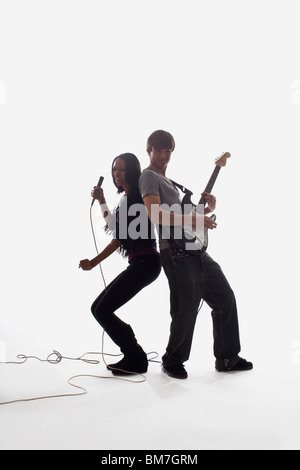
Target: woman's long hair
132, 171
132, 174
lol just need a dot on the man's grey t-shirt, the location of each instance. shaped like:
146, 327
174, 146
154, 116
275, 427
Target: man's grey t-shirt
152, 183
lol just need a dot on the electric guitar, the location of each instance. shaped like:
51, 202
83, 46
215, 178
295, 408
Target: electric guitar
196, 241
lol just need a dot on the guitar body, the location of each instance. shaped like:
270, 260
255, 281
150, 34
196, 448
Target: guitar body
195, 242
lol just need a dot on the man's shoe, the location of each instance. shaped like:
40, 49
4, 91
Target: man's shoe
241, 365
176, 371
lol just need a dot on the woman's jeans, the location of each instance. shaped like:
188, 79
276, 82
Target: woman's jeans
141, 272
192, 278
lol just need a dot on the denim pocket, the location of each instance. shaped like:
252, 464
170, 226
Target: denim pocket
171, 254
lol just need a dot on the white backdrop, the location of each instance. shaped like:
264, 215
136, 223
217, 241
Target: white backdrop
83, 81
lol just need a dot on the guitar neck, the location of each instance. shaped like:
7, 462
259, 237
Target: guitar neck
210, 183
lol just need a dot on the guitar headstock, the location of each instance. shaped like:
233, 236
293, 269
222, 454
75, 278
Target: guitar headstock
221, 161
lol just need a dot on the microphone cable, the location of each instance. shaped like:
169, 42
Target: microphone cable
143, 378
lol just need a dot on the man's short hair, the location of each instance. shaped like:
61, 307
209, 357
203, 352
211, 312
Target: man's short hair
160, 140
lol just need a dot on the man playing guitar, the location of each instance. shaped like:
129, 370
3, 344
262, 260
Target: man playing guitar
192, 276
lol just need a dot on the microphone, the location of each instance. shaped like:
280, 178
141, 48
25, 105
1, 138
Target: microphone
98, 185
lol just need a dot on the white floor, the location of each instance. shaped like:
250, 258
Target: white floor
254, 410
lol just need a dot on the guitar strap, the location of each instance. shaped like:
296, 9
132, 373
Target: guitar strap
187, 194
